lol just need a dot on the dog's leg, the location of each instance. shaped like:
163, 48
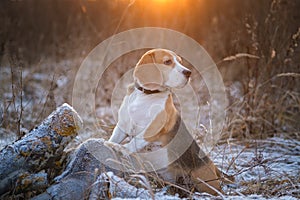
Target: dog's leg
136, 144
149, 134
206, 180
118, 135
114, 141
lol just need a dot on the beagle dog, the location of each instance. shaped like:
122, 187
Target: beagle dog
148, 115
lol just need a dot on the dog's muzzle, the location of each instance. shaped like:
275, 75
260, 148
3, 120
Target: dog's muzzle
187, 73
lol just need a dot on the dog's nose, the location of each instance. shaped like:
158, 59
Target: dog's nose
187, 73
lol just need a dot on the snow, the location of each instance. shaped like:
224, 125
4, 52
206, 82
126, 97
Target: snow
273, 159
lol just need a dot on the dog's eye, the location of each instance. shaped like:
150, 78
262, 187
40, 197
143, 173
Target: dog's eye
168, 62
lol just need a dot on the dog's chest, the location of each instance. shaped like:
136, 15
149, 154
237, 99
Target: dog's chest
141, 109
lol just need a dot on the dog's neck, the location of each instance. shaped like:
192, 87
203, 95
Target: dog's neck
146, 91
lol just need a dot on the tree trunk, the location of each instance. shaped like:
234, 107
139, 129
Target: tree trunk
29, 163
89, 176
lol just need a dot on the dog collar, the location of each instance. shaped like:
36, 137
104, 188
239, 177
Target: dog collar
145, 90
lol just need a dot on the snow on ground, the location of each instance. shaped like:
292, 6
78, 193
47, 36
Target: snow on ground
263, 169
269, 167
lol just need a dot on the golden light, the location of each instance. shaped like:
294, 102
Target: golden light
174, 2
163, 1
168, 4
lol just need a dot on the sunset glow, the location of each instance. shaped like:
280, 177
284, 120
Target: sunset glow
164, 1
169, 2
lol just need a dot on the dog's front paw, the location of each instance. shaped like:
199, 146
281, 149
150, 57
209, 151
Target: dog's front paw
117, 148
113, 146
129, 148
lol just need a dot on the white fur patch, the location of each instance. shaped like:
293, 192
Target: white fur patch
175, 77
140, 110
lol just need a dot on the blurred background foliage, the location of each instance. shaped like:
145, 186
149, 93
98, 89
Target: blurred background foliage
45, 28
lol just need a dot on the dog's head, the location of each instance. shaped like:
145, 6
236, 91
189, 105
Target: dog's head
160, 68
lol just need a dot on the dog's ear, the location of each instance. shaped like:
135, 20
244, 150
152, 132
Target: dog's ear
147, 74
148, 57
